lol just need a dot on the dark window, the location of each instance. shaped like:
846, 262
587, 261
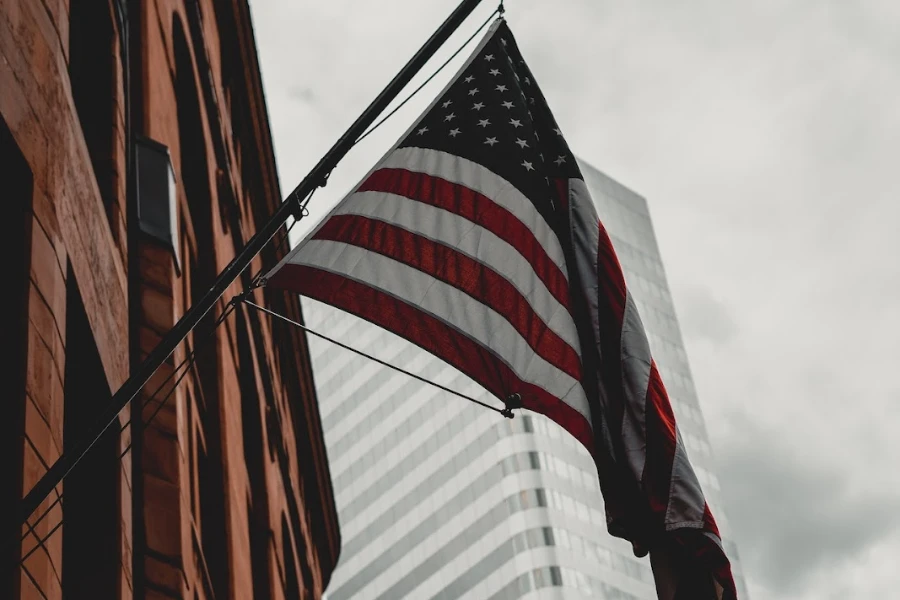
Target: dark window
255, 458
92, 62
15, 243
291, 583
91, 515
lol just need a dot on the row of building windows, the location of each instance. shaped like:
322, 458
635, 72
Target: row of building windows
332, 388
389, 403
545, 427
553, 576
667, 351
680, 379
530, 539
552, 464
333, 358
650, 292
450, 463
623, 215
660, 322
635, 260
696, 445
580, 546
415, 456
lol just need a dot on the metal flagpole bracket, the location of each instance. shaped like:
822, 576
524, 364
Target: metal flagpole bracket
512, 401
238, 298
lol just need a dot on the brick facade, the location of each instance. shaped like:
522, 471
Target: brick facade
226, 492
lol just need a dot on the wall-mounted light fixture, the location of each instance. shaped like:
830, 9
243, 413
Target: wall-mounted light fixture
156, 194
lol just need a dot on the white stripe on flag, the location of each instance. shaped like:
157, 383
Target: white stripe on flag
474, 241
461, 171
686, 501
448, 304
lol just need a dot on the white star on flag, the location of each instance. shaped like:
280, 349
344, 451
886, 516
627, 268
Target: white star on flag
478, 106
489, 57
473, 91
528, 166
522, 143
494, 72
454, 132
515, 123
501, 88
484, 122
469, 79
560, 160
423, 130
450, 117
490, 141
507, 104
447, 103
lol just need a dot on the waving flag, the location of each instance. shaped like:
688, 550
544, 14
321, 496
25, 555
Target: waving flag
476, 239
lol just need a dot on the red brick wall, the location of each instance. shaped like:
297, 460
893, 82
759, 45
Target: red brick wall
259, 406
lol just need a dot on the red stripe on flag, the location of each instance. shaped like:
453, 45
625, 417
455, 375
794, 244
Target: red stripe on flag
612, 280
479, 209
460, 271
432, 335
562, 193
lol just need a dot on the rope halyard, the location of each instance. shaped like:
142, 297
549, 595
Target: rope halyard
430, 77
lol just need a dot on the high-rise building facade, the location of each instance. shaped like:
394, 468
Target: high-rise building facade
136, 160
439, 498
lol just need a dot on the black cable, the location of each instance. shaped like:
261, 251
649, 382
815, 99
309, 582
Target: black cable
40, 543
498, 11
370, 357
37, 586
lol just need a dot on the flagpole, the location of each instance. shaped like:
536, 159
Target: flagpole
317, 177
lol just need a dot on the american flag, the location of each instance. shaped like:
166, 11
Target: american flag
475, 238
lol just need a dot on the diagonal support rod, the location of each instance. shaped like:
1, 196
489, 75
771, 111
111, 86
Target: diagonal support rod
507, 412
195, 313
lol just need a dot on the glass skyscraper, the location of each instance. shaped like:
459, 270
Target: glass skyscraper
440, 498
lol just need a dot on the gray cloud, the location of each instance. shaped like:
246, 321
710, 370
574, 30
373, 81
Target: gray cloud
704, 316
799, 517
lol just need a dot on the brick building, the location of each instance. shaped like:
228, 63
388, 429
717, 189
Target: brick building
226, 492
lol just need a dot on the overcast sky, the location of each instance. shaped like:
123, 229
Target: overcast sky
766, 137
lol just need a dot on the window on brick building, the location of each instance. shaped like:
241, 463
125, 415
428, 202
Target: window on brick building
91, 512
291, 583
15, 243
92, 64
254, 451
199, 272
